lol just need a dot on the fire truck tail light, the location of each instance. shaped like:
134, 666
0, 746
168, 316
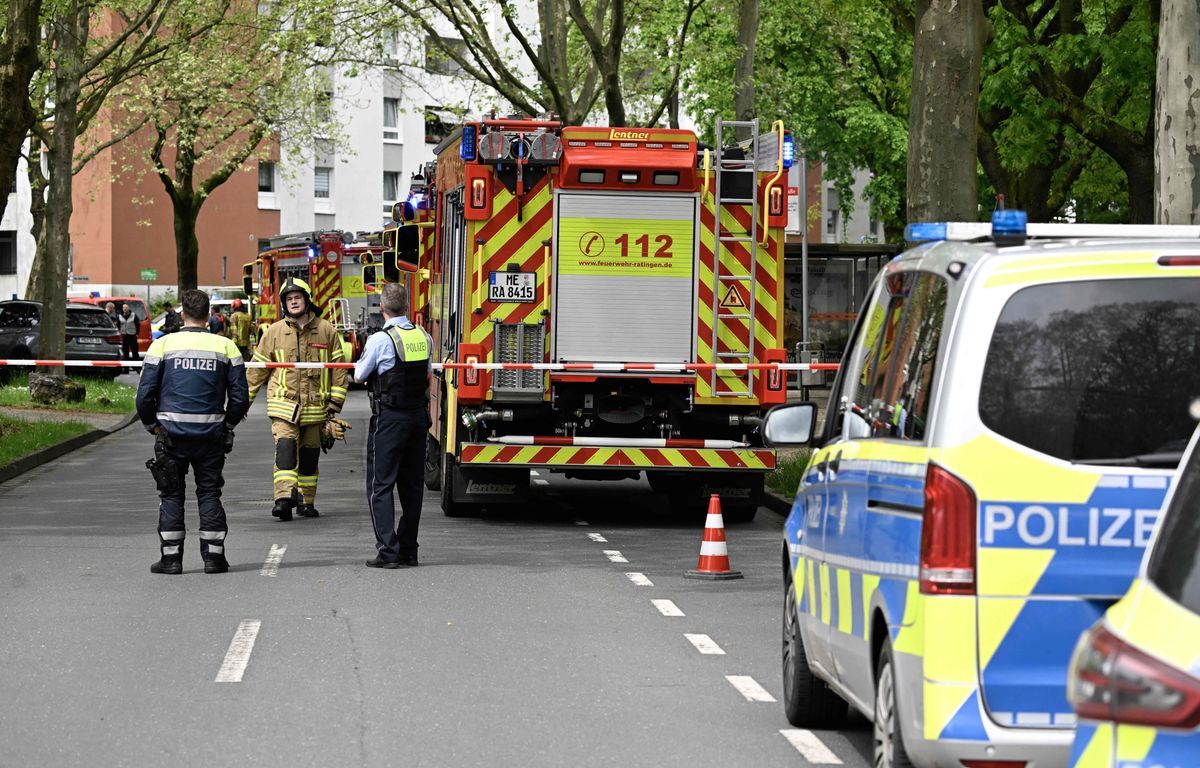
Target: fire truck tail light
478, 193
471, 375
947, 535
662, 179
775, 204
467, 149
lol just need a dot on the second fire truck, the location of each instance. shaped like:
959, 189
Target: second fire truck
625, 256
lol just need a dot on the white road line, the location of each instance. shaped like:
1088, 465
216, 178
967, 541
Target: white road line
534, 472
667, 608
597, 537
810, 746
705, 645
640, 579
749, 687
615, 556
581, 522
540, 481
270, 566
239, 651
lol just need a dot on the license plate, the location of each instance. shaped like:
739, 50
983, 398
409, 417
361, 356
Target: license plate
88, 339
512, 287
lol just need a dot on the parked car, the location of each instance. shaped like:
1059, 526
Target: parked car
998, 444
90, 333
1135, 677
138, 305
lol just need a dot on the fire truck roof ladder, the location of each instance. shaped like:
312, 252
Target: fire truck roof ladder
724, 282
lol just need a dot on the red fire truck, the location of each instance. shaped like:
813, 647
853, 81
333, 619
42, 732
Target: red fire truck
626, 256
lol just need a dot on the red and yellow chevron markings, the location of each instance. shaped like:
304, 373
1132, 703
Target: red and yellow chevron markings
625, 458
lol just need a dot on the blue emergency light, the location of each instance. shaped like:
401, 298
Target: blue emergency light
1009, 226
312, 251
925, 231
789, 150
466, 150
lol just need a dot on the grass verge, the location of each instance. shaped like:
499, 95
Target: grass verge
103, 396
789, 469
19, 438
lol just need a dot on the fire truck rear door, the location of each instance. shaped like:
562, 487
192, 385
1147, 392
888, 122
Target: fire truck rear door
625, 277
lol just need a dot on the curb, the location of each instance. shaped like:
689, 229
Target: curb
52, 452
776, 503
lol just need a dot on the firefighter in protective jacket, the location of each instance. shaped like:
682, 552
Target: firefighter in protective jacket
299, 400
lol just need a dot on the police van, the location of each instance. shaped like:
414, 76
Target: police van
999, 441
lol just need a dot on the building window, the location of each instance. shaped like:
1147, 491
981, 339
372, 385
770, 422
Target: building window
436, 125
391, 44
8, 253
831, 210
391, 186
266, 176
391, 119
322, 182
437, 61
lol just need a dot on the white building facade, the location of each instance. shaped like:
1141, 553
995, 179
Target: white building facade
16, 240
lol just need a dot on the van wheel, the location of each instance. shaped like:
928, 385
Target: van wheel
433, 467
807, 701
889, 745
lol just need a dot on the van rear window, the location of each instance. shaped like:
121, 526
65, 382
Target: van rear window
1096, 371
88, 318
1175, 563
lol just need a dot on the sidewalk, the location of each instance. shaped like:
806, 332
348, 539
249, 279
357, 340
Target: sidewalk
102, 424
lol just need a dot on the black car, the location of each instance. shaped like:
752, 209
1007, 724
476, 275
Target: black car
90, 333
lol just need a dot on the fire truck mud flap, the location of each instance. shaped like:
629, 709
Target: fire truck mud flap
490, 485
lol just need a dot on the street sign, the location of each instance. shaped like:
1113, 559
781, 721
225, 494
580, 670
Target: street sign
149, 275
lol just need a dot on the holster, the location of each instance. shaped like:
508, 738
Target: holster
165, 470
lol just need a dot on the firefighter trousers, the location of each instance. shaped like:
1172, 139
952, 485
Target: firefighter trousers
297, 452
207, 461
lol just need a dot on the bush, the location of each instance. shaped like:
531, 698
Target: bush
789, 470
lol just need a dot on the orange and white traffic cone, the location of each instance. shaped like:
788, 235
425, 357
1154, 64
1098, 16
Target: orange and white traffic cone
714, 555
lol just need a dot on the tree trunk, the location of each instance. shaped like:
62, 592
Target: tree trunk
1177, 126
18, 61
186, 209
38, 181
69, 33
743, 73
947, 54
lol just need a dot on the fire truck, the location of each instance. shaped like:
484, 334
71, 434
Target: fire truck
345, 271
623, 257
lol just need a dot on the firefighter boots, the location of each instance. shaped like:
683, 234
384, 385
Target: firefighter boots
308, 510
169, 565
283, 509
216, 564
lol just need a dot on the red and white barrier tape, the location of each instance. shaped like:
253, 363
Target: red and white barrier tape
602, 367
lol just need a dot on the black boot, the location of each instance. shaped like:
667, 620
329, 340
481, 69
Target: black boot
169, 565
283, 509
216, 564
308, 510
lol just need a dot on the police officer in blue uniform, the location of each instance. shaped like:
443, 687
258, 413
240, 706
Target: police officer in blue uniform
395, 364
191, 395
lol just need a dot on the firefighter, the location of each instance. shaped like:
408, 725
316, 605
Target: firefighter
239, 328
396, 365
299, 401
191, 395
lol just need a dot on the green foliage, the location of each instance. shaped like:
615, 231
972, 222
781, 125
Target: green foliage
789, 471
19, 438
103, 396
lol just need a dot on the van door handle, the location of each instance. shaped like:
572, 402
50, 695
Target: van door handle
836, 462
822, 466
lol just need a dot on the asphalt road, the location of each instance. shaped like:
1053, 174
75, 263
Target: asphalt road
521, 640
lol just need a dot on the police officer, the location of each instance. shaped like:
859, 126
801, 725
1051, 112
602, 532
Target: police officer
299, 401
191, 395
396, 365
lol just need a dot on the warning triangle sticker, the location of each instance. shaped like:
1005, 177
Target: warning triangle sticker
732, 299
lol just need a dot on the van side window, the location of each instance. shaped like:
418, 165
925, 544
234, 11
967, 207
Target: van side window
862, 342
896, 386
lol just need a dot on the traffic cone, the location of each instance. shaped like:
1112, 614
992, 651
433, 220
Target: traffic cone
714, 556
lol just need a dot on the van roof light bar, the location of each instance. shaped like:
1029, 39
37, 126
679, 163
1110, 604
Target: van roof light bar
964, 231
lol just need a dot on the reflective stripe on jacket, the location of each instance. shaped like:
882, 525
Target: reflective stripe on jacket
193, 384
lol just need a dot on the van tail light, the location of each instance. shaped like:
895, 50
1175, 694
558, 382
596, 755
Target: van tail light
1179, 261
947, 535
1114, 681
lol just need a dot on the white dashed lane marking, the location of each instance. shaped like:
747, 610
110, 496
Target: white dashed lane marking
238, 655
581, 522
749, 687
705, 645
597, 537
615, 556
270, 566
810, 747
640, 579
667, 608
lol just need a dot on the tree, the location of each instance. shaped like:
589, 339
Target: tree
19, 61
948, 41
576, 59
1177, 127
